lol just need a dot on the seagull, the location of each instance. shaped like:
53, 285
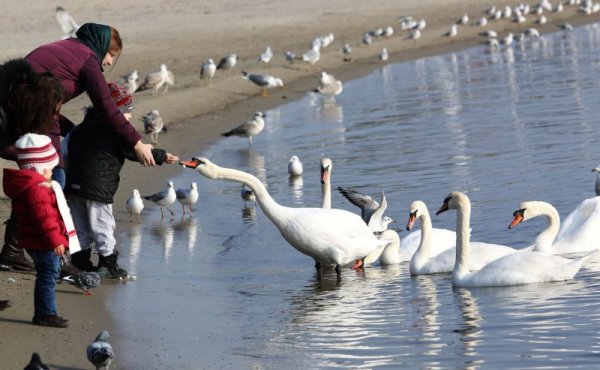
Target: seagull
453, 31
565, 27
86, 280
263, 81
36, 363
313, 55
164, 198
482, 22
187, 197
295, 167
347, 50
100, 352
388, 31
463, 20
67, 23
383, 56
131, 81
325, 41
490, 34
420, 25
208, 69
367, 39
265, 56
542, 20
414, 35
329, 85
135, 204
156, 80
371, 211
227, 62
249, 128
153, 125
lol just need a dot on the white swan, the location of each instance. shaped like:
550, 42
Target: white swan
580, 230
326, 167
531, 209
330, 236
521, 267
438, 255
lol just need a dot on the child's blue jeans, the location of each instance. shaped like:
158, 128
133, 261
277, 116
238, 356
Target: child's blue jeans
47, 266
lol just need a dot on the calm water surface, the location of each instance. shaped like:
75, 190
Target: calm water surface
222, 289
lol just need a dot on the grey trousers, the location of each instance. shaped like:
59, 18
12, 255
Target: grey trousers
95, 224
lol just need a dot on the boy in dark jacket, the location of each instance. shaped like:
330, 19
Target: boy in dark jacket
95, 156
45, 224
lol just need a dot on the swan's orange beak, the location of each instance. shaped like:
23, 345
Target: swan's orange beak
192, 163
411, 220
518, 218
358, 264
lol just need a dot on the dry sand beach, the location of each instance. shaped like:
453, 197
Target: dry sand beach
182, 34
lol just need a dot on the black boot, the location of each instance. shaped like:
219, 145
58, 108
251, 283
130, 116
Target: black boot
12, 257
110, 263
67, 268
82, 260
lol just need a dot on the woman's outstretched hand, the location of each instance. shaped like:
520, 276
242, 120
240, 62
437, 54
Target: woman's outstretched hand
143, 152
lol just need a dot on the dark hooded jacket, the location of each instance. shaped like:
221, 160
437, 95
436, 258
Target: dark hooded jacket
40, 224
95, 158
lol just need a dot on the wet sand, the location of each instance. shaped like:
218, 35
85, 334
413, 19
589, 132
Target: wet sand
182, 34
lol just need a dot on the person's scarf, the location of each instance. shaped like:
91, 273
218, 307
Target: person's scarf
96, 37
65, 213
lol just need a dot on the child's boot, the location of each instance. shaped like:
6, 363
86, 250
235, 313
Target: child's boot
110, 263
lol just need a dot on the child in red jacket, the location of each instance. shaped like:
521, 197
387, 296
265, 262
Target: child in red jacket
44, 220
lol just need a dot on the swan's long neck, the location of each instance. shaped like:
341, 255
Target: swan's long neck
272, 209
544, 240
326, 193
426, 235
463, 246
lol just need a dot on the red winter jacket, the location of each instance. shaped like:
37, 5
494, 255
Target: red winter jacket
40, 225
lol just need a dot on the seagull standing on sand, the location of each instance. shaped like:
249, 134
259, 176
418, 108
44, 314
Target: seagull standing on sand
347, 50
100, 352
227, 62
187, 197
249, 128
135, 204
153, 125
263, 81
36, 363
463, 20
156, 80
290, 56
265, 56
208, 69
67, 23
453, 31
295, 167
131, 81
164, 198
313, 55
383, 56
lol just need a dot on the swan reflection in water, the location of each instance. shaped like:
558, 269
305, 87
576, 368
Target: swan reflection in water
190, 227
470, 331
331, 321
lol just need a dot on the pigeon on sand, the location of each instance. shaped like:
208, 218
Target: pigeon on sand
100, 352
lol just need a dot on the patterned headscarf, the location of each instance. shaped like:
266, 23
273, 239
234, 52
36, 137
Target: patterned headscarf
96, 37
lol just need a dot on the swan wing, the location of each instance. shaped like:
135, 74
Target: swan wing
522, 267
331, 236
579, 231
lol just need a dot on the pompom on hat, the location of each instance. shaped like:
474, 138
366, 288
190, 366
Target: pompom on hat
121, 97
36, 152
